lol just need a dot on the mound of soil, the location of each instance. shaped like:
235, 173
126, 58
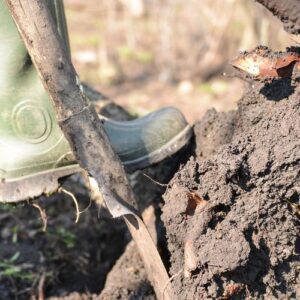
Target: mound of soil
231, 216
232, 212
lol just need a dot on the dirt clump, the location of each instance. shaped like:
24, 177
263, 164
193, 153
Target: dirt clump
128, 280
213, 130
244, 242
288, 12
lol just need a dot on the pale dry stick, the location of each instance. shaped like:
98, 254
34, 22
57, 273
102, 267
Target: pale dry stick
41, 295
78, 212
155, 181
43, 215
257, 215
74, 200
80, 125
87, 208
171, 279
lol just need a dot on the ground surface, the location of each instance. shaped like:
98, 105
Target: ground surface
241, 239
231, 216
71, 260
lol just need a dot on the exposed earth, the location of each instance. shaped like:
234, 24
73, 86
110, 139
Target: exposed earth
241, 240
224, 212
231, 215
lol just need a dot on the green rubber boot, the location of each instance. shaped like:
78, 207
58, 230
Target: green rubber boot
33, 151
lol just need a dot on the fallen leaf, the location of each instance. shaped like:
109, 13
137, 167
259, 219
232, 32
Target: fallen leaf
262, 63
194, 200
231, 289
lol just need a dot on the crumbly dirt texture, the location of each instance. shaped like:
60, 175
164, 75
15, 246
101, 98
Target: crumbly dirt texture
238, 240
287, 11
243, 241
88, 260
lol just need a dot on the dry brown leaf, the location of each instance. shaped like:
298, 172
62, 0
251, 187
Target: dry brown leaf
261, 63
194, 200
231, 289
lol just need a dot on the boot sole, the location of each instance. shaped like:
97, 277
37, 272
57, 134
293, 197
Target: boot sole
167, 150
28, 187
47, 182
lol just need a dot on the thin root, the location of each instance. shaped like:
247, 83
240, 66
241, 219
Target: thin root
169, 281
154, 181
257, 215
74, 200
87, 182
42, 214
41, 295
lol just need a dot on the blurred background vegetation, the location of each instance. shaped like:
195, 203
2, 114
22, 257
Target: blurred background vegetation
151, 53
144, 54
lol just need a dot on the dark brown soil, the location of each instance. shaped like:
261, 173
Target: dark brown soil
72, 257
244, 242
75, 259
287, 11
242, 239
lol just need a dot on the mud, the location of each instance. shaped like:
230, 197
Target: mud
244, 242
287, 11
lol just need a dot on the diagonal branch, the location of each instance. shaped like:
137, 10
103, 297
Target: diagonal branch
82, 128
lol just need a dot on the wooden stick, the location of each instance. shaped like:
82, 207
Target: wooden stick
82, 128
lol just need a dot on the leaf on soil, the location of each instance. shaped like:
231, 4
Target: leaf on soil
262, 63
231, 290
194, 200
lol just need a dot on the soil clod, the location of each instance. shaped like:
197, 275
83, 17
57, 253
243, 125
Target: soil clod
244, 243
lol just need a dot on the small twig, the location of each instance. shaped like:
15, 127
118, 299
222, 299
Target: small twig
78, 212
294, 207
213, 265
41, 295
74, 200
169, 281
156, 182
257, 215
248, 294
88, 185
42, 214
86, 209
